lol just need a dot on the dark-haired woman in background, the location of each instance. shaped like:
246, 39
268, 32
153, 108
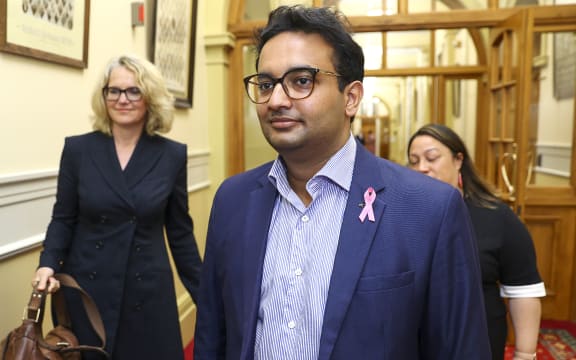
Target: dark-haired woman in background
506, 250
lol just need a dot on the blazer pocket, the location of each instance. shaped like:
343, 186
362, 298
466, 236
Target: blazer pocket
384, 282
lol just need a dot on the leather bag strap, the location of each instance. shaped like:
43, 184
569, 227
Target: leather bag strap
35, 309
61, 310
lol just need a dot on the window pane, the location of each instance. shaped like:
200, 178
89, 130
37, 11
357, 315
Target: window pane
455, 47
408, 49
371, 44
552, 110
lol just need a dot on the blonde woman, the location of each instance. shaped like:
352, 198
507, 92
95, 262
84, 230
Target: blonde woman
120, 189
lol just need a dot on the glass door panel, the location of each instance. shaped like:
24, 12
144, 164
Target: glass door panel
552, 110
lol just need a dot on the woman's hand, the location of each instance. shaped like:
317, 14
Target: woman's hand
45, 277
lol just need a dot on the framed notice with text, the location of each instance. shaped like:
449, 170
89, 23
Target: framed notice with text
174, 45
49, 30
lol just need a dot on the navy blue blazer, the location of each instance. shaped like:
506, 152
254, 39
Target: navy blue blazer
107, 231
406, 286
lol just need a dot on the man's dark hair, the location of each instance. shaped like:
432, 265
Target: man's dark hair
331, 25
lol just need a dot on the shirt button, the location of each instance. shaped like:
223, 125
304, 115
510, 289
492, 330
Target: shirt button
305, 218
298, 272
291, 324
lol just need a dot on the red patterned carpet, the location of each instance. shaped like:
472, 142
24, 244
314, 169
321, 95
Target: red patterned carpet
557, 341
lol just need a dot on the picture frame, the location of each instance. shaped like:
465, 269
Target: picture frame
174, 46
56, 31
564, 60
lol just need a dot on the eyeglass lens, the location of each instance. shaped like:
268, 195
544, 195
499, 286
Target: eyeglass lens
297, 84
113, 93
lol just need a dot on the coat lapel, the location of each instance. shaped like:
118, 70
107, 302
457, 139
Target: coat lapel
255, 238
355, 240
147, 153
104, 156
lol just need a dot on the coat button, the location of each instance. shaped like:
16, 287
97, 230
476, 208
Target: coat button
99, 244
103, 219
92, 275
137, 248
133, 220
138, 276
137, 307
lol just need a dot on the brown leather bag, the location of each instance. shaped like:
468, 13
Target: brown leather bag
26, 342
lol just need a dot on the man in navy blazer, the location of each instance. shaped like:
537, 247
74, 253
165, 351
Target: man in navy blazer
330, 252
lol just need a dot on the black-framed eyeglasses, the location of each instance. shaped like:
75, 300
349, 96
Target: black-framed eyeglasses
112, 93
297, 84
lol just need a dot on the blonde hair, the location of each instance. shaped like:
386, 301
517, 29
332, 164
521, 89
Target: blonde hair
159, 101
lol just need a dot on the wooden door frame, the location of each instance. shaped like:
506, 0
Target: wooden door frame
546, 16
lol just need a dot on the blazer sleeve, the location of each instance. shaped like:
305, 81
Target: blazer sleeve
65, 211
454, 320
180, 230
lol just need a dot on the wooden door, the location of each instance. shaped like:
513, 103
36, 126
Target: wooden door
514, 151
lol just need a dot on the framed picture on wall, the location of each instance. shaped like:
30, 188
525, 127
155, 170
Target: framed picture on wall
49, 30
174, 45
564, 58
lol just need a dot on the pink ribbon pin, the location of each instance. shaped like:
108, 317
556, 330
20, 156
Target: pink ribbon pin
368, 210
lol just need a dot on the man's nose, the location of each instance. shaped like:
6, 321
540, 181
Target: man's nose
279, 97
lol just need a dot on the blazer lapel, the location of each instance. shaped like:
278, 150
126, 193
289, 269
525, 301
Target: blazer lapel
354, 244
147, 153
258, 217
104, 156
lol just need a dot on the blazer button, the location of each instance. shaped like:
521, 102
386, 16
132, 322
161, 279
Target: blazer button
99, 244
138, 276
103, 219
92, 275
133, 220
137, 307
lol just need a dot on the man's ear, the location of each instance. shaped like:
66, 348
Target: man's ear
354, 92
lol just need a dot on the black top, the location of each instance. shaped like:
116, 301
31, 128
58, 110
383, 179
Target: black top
507, 257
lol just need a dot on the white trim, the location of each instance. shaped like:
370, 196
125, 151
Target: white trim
553, 159
198, 164
26, 200
523, 291
20, 246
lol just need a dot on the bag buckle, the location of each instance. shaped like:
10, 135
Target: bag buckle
28, 312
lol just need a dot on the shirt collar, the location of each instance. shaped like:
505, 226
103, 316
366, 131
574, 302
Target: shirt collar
338, 169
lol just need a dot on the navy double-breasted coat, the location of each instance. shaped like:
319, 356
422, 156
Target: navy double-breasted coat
107, 230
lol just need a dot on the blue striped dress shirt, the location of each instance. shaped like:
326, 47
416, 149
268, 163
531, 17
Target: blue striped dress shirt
300, 254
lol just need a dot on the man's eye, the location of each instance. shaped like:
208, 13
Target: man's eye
302, 81
265, 85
